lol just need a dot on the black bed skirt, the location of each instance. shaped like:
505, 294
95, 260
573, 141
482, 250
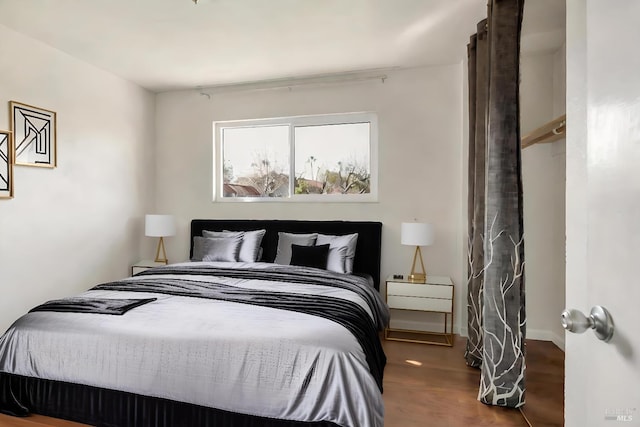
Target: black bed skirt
96, 406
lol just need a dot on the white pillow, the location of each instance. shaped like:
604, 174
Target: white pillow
285, 240
348, 241
251, 241
216, 248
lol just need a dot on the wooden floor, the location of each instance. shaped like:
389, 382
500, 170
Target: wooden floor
426, 385
440, 390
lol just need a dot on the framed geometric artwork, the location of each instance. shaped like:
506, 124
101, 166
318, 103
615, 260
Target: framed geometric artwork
6, 165
34, 135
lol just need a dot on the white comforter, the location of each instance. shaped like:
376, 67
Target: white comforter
231, 356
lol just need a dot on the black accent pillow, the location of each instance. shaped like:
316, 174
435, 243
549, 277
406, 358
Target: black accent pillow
310, 256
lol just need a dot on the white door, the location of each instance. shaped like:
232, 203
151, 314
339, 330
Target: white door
602, 385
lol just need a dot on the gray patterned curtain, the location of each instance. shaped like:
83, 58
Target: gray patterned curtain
478, 92
496, 294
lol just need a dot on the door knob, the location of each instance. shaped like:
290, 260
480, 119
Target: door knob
599, 320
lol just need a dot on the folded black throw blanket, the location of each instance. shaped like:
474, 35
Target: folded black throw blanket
92, 305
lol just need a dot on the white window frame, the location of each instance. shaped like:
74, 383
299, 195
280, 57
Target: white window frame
325, 119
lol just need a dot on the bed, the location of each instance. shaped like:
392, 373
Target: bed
215, 341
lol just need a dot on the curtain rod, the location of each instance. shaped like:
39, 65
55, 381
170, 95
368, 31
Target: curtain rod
291, 83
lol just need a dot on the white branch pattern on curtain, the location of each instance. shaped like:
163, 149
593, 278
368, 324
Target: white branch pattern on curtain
503, 345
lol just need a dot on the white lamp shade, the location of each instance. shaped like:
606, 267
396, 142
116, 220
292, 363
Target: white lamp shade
159, 225
417, 234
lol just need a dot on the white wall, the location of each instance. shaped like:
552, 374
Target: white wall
420, 169
108, 162
543, 169
81, 223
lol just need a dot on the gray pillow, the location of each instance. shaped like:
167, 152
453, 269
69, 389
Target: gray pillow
336, 259
285, 240
216, 248
250, 246
349, 241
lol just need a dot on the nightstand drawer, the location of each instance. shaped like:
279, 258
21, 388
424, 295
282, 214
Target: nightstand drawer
419, 290
422, 304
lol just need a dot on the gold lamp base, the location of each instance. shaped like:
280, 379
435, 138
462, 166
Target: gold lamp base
414, 276
161, 257
417, 278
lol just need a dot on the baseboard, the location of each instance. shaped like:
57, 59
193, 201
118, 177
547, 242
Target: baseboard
534, 334
558, 340
539, 334
542, 335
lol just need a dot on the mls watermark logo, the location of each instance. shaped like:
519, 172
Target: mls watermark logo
620, 414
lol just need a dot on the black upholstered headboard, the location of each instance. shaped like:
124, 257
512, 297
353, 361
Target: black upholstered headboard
368, 248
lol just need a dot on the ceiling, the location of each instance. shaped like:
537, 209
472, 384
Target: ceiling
175, 44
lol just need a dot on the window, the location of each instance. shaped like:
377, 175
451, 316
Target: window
309, 158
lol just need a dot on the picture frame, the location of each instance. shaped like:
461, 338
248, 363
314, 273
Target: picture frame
6, 165
34, 135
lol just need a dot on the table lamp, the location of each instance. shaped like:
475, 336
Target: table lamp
160, 226
417, 234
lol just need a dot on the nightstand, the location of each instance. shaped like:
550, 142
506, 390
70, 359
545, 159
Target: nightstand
435, 296
141, 266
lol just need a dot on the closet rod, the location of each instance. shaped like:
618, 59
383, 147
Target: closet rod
551, 131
